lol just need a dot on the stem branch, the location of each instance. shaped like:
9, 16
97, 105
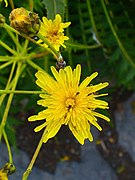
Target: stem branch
20, 92
7, 48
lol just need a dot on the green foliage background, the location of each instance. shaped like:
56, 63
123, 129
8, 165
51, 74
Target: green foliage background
101, 39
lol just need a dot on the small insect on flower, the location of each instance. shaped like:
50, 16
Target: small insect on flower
68, 102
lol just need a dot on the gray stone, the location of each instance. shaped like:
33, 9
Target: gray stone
91, 167
125, 123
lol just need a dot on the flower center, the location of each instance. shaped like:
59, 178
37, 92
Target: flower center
70, 103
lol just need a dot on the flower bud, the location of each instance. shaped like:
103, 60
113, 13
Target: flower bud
9, 168
2, 20
26, 22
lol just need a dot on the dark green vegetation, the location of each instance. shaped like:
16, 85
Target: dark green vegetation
101, 39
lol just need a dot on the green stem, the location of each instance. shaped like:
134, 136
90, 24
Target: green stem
84, 38
7, 48
79, 46
31, 5
20, 57
29, 169
35, 42
40, 54
46, 64
6, 64
116, 36
68, 33
6, 26
25, 47
8, 86
20, 92
11, 34
11, 4
56, 54
8, 147
35, 66
4, 119
11, 74
5, 58
92, 19
5, 3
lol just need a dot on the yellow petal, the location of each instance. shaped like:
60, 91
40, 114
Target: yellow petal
40, 116
77, 74
101, 116
38, 128
98, 87
87, 81
76, 134
51, 131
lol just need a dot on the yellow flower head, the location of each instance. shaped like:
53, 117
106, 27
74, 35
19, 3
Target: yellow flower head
68, 102
53, 31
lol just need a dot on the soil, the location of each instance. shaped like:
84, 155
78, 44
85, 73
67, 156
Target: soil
64, 147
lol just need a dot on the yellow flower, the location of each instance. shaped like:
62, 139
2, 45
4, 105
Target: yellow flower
68, 102
53, 31
3, 175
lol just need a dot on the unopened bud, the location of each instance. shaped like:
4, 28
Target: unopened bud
9, 168
2, 20
26, 22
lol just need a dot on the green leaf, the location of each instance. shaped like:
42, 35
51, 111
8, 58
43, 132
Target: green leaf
54, 7
130, 75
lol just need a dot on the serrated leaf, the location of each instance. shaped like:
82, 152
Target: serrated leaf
54, 7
